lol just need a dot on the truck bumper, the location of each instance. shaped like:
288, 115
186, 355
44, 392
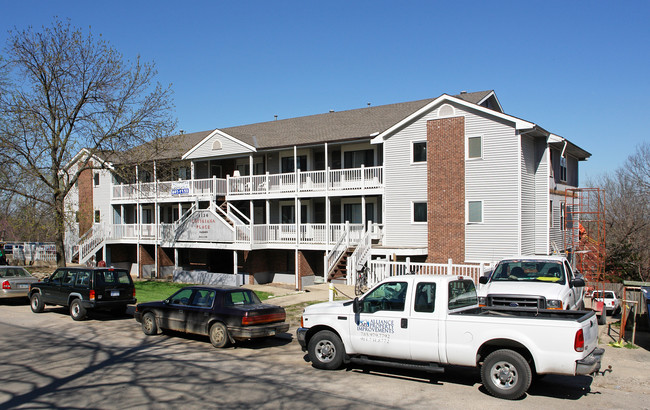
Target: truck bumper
591, 363
250, 332
301, 335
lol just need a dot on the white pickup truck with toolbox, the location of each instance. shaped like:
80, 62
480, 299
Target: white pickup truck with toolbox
545, 282
425, 322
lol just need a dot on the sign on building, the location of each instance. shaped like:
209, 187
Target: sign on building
180, 188
205, 226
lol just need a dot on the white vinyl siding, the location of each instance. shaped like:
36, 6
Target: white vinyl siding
528, 169
228, 147
542, 199
102, 196
494, 181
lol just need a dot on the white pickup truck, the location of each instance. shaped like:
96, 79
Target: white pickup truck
545, 282
425, 322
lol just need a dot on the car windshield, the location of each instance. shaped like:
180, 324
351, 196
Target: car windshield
14, 273
529, 270
241, 297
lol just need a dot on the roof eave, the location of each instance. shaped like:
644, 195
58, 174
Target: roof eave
518, 123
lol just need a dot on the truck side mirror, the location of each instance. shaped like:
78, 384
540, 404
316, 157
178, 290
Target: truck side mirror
356, 306
483, 280
577, 283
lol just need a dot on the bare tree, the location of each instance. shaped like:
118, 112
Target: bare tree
628, 217
62, 91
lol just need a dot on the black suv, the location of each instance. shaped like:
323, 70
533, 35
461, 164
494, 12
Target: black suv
84, 288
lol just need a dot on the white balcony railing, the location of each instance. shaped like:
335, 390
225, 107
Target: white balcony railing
266, 234
307, 181
208, 187
293, 182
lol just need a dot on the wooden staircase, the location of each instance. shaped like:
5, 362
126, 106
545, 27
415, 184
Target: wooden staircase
340, 270
224, 207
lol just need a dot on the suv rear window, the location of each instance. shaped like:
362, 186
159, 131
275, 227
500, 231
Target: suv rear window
114, 277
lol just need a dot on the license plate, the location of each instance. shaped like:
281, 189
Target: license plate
115, 293
23, 286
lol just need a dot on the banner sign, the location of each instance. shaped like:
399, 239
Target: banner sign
180, 188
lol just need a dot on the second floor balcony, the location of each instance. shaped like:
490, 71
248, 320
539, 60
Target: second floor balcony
353, 181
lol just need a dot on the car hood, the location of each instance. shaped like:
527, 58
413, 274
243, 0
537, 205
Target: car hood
546, 289
329, 307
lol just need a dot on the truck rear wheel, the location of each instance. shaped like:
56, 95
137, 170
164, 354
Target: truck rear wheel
506, 374
326, 350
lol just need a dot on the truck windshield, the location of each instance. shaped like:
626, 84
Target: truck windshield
529, 270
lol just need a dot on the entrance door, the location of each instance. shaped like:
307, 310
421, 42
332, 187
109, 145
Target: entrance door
381, 326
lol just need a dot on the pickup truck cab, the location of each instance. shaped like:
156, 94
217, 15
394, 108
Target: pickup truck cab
544, 282
425, 322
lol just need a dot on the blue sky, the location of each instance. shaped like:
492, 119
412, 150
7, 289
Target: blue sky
577, 68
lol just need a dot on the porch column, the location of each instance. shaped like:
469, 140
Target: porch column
296, 213
363, 211
298, 281
234, 262
250, 177
192, 170
328, 219
175, 258
268, 212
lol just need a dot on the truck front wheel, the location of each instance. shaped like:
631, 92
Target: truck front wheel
506, 374
326, 350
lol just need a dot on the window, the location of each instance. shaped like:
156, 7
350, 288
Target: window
550, 213
216, 145
182, 297
425, 297
419, 212
474, 147
462, 293
83, 278
475, 211
203, 298
419, 152
96, 179
97, 216
244, 297
562, 169
68, 279
387, 296
287, 163
354, 159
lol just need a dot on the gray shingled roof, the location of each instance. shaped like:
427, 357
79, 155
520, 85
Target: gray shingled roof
311, 129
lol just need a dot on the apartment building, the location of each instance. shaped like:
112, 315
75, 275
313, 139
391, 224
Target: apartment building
305, 199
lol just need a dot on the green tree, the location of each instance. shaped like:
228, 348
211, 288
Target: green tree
63, 90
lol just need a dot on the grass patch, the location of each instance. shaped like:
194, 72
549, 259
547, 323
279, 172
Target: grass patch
294, 312
150, 290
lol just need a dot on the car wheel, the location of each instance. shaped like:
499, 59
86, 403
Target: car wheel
36, 302
506, 374
326, 350
77, 311
219, 335
149, 326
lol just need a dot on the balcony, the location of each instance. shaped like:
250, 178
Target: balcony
355, 181
263, 235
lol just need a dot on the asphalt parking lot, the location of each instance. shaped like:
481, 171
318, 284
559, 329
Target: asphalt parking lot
49, 361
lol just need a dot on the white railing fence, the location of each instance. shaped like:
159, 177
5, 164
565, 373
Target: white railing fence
29, 252
382, 269
360, 255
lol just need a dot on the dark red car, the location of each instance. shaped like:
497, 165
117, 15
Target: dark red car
224, 313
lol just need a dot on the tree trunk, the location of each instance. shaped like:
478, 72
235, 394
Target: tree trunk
59, 218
